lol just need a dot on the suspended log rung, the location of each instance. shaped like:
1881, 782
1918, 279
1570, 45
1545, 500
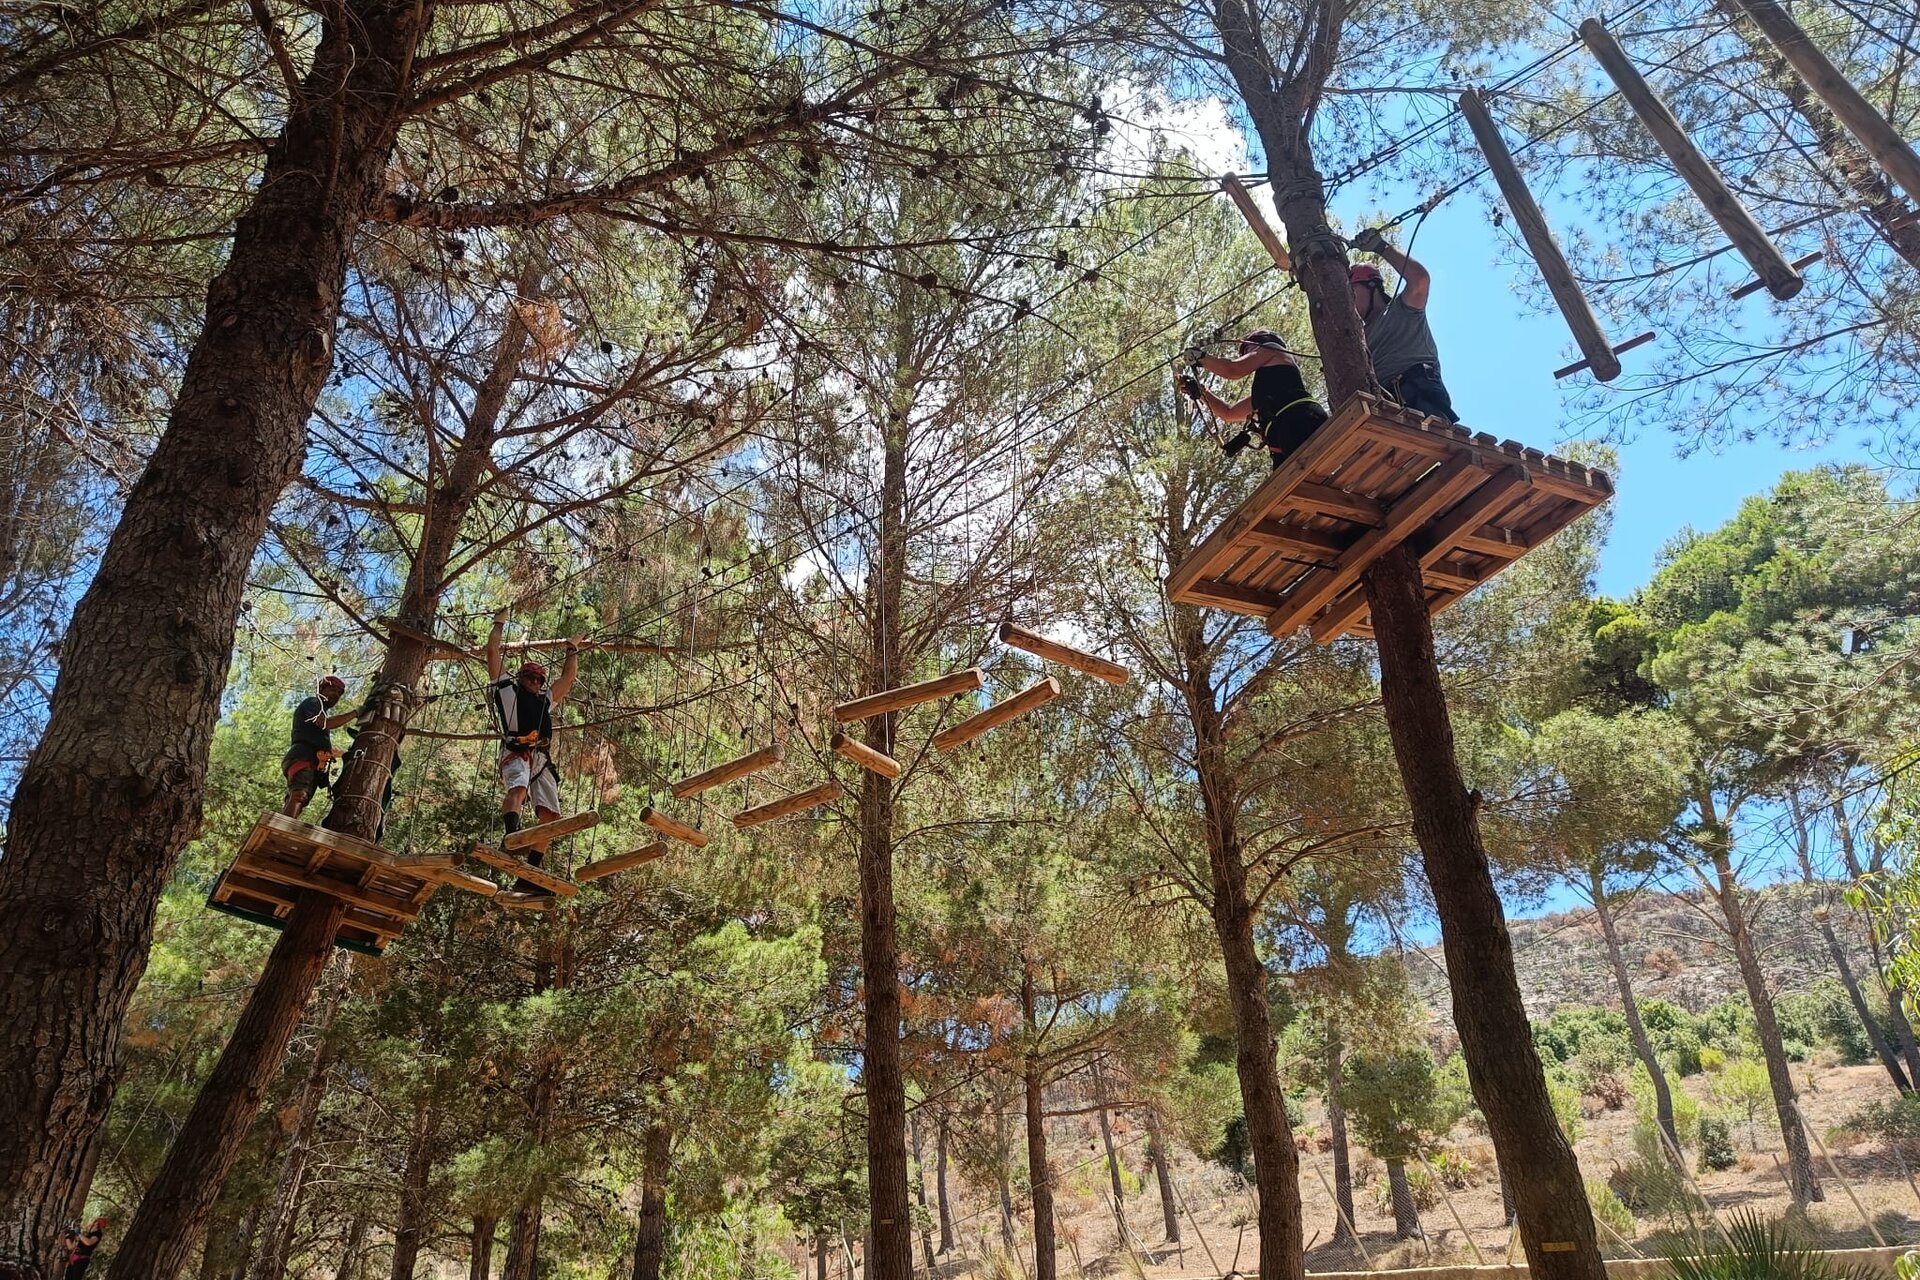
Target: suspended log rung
521, 900
454, 878
720, 774
1638, 340
825, 793
911, 695
673, 828
545, 832
999, 713
525, 870
865, 756
1752, 287
621, 862
1066, 655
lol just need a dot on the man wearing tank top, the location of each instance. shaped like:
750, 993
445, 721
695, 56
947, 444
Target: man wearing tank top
1405, 359
1278, 410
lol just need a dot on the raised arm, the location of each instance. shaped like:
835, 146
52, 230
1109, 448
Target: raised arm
1242, 366
568, 670
1415, 283
496, 664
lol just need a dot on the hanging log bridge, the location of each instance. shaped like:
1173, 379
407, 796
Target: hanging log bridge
754, 762
996, 715
909, 695
621, 862
799, 802
1066, 655
546, 880
1374, 476
547, 832
384, 891
673, 828
863, 755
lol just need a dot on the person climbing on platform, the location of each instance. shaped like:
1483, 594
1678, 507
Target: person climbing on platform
1405, 359
306, 761
522, 707
1278, 410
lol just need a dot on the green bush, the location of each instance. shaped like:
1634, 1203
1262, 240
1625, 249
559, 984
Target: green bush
1598, 1036
1610, 1209
1823, 1014
1651, 1187
1452, 1168
1728, 1026
1675, 1034
1716, 1144
1756, 1249
1895, 1121
1420, 1181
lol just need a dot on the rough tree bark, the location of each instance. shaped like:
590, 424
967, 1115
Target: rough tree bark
114, 788
1642, 1043
480, 1249
650, 1238
1033, 1081
1113, 1156
554, 972
350, 1256
920, 1189
177, 1202
270, 1260
1337, 1134
882, 1074
1163, 1177
940, 1184
416, 1174
1406, 1214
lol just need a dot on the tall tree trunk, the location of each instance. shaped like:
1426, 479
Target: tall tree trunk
940, 1185
1003, 1159
114, 788
203, 1151
410, 1224
350, 1256
1337, 1134
1895, 996
1505, 1072
1163, 1177
270, 1260
1801, 1178
891, 1256
1406, 1214
920, 1188
480, 1249
1642, 1043
1033, 1080
650, 1239
1106, 1139
553, 973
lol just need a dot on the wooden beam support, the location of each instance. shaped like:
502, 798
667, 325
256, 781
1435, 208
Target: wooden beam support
621, 862
1262, 230
1226, 595
739, 767
525, 870
1330, 501
1492, 540
865, 756
527, 837
1443, 537
1034, 695
813, 798
1066, 655
1566, 291
291, 876
1881, 140
911, 695
673, 828
1444, 486
1340, 615
1315, 544
1711, 189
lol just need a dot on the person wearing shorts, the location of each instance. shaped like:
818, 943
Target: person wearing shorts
311, 751
522, 707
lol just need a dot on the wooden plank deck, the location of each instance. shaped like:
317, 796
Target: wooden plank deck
281, 856
1378, 475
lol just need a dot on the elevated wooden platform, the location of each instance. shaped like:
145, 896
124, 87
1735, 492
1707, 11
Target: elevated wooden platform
1375, 476
384, 891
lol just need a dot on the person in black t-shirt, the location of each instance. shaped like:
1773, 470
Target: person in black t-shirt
1278, 409
79, 1247
522, 709
306, 761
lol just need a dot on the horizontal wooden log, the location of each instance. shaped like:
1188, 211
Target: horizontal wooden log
1262, 230
999, 713
545, 832
1317, 545
1340, 615
1327, 500
1638, 340
521, 900
454, 878
525, 870
1752, 287
672, 827
1064, 654
825, 793
621, 862
910, 695
739, 767
865, 756
1443, 536
394, 911
1226, 595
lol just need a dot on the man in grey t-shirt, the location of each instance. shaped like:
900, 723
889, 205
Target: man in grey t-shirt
1404, 356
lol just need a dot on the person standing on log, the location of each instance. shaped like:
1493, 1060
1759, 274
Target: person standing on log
311, 751
1405, 359
522, 707
1278, 409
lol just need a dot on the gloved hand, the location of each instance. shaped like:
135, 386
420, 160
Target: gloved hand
1192, 355
1368, 240
1190, 385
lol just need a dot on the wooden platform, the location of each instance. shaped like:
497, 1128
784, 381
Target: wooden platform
1375, 476
384, 891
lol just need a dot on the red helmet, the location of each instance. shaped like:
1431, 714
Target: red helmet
532, 669
332, 685
1363, 273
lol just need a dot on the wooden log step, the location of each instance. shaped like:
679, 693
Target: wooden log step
739, 767
865, 756
521, 900
525, 870
910, 695
1066, 655
673, 828
998, 714
813, 798
454, 878
526, 837
621, 862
